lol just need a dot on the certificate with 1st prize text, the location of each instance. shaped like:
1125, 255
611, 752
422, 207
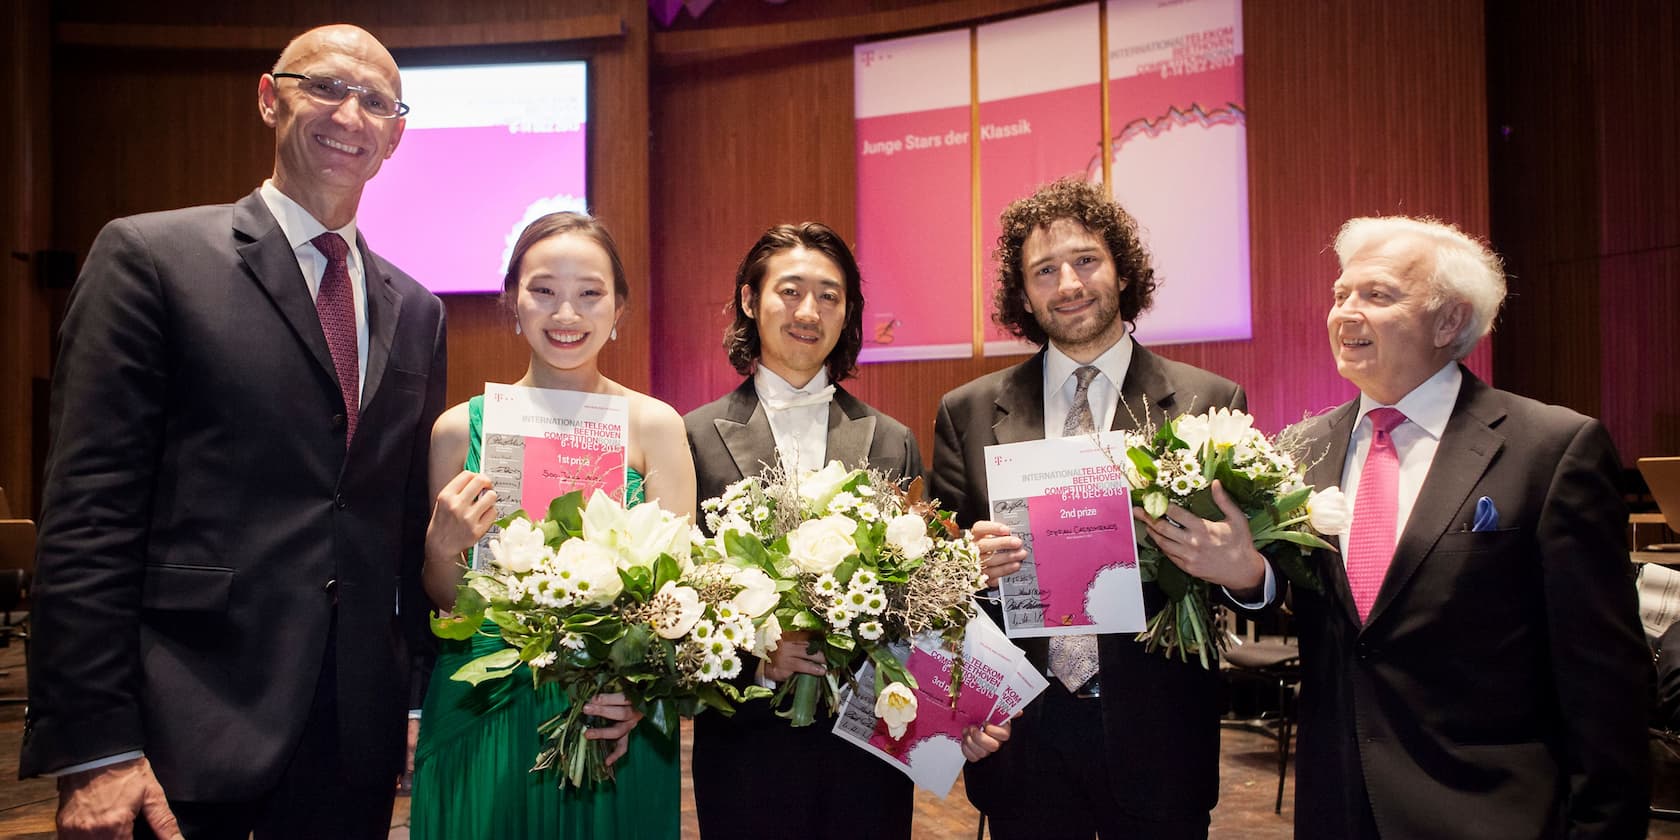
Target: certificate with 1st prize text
538, 444
1069, 502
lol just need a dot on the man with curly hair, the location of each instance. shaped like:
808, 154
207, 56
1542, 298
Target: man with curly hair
1124, 743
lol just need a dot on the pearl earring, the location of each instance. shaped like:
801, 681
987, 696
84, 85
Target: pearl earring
518, 329
614, 334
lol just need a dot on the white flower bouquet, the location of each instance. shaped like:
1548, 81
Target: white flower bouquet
1177, 464
858, 562
599, 598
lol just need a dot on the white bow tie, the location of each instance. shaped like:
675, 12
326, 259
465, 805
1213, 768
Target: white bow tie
799, 399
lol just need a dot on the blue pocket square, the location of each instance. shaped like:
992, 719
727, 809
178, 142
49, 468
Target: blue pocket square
1487, 516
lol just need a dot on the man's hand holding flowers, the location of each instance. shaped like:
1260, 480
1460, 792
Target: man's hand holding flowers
1221, 553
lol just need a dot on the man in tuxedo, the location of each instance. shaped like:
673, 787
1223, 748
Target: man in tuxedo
797, 328
1124, 742
1474, 666
236, 496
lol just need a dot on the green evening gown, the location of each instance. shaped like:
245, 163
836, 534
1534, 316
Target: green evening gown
472, 778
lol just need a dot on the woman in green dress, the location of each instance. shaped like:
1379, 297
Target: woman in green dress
472, 778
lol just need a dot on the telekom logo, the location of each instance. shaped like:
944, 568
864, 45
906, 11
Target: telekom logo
871, 57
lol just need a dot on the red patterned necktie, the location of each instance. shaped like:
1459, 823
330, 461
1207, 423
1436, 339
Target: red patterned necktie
336, 305
1376, 507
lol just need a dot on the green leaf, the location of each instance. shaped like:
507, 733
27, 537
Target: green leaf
638, 580
1144, 462
491, 666
841, 642
1174, 582
1201, 504
1293, 499
1300, 538
662, 714
567, 513
631, 648
665, 570
806, 620
748, 548
463, 622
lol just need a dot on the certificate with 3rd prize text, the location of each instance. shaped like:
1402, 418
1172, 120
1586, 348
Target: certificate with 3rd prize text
1069, 502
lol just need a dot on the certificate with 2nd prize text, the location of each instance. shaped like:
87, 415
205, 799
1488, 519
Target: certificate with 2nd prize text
1069, 502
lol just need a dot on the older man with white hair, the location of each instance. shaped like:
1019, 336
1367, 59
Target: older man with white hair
1473, 666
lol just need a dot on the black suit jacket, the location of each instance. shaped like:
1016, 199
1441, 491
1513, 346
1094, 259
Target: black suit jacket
1499, 685
1161, 716
203, 523
731, 439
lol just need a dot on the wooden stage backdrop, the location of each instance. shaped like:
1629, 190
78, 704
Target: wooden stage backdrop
1549, 126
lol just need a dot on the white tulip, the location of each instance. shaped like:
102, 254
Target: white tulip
1327, 511
896, 707
519, 547
768, 637
817, 488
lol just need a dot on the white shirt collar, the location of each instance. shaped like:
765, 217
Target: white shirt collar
1429, 405
771, 386
299, 226
1113, 363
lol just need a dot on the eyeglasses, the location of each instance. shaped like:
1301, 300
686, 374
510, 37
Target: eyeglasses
330, 91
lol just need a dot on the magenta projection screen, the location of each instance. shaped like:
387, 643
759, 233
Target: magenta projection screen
488, 148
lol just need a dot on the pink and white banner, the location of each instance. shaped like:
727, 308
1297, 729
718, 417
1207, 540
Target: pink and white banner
1179, 146
915, 240
1178, 163
1040, 119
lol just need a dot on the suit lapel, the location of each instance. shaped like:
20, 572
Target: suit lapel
1467, 447
384, 308
746, 432
272, 263
1147, 396
1018, 409
1327, 472
851, 430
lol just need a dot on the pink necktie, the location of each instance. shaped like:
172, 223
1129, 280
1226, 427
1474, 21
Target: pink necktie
337, 307
1371, 538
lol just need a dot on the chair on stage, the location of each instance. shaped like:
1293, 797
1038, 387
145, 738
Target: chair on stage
17, 566
1273, 660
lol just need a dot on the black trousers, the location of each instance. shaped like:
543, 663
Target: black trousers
1071, 792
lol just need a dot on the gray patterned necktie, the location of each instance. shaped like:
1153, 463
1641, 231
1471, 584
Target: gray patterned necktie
1073, 659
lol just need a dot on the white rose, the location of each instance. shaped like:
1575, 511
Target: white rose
896, 707
817, 488
769, 636
676, 609
908, 533
519, 547
594, 572
819, 545
1327, 511
758, 592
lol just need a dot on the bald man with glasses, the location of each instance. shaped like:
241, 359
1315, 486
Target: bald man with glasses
235, 499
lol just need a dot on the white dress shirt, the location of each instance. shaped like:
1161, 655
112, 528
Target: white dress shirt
1427, 408
1104, 390
798, 416
300, 227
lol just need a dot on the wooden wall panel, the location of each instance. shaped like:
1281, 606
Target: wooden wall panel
177, 127
1354, 108
25, 202
1586, 192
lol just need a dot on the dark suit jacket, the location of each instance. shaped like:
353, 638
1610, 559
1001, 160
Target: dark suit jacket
731, 439
1499, 685
1161, 716
203, 523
